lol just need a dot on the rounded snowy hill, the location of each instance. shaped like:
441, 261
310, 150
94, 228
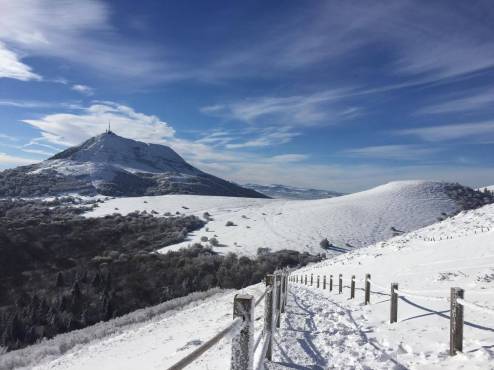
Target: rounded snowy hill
112, 165
243, 225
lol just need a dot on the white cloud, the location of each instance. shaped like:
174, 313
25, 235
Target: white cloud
83, 89
12, 67
390, 152
76, 31
480, 130
71, 129
303, 110
473, 101
7, 160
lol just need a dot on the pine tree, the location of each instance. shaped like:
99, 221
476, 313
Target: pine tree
60, 281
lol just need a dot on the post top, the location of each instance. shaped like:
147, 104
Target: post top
243, 296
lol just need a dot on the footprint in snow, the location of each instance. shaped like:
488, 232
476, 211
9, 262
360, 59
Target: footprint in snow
194, 342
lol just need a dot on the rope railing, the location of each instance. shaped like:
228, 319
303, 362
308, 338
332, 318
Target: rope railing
244, 345
194, 355
456, 300
476, 307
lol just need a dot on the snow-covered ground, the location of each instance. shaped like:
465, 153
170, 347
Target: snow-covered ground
323, 329
358, 219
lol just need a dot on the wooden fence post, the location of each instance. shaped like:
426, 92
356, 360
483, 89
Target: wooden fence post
340, 284
283, 292
393, 316
330, 283
243, 306
324, 282
317, 281
311, 279
367, 289
279, 293
269, 314
352, 287
456, 322
305, 279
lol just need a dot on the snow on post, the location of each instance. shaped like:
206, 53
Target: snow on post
456, 322
352, 287
340, 284
393, 316
269, 314
243, 342
367, 289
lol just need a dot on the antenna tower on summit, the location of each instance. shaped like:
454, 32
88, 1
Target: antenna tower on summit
109, 127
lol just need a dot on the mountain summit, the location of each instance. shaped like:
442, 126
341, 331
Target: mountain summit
111, 165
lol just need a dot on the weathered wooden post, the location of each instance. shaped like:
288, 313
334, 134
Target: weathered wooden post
296, 279
269, 314
283, 292
330, 283
393, 316
317, 281
311, 279
340, 284
352, 287
305, 279
324, 282
456, 322
279, 293
367, 289
243, 342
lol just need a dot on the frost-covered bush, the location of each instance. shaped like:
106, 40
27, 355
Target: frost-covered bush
230, 223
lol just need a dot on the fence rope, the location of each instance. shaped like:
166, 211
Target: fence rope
404, 293
258, 340
187, 360
259, 300
377, 285
474, 306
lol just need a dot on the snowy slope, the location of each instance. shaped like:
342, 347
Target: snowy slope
289, 192
358, 219
327, 330
458, 252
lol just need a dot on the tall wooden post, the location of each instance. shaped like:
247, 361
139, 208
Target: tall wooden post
330, 283
340, 284
242, 343
367, 288
311, 279
352, 287
283, 292
269, 314
324, 282
456, 322
279, 293
305, 279
317, 281
393, 316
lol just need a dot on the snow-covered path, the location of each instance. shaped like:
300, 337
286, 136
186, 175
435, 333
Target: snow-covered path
319, 333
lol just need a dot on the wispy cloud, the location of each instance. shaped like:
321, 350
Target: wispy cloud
76, 31
391, 152
83, 89
305, 110
474, 101
478, 130
12, 67
7, 160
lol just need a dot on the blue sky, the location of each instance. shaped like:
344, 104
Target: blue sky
332, 94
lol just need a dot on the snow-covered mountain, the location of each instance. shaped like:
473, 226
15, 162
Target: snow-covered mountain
112, 165
243, 225
289, 192
340, 332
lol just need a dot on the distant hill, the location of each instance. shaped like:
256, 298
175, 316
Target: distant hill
115, 166
290, 192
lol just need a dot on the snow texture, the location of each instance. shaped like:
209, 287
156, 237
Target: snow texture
348, 221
